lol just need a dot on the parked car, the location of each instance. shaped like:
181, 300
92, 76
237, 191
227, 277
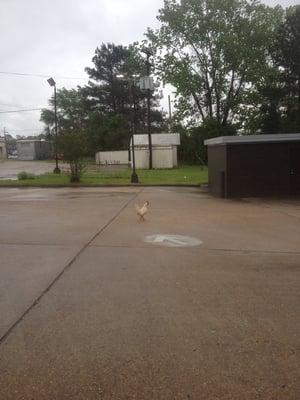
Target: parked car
13, 154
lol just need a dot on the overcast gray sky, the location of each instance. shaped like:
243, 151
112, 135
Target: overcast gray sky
58, 38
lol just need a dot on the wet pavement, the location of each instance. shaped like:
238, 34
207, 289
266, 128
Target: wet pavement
91, 309
9, 169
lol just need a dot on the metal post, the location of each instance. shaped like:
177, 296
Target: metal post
56, 169
170, 113
134, 176
5, 143
148, 53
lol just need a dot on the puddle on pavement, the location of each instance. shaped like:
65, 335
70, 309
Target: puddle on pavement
75, 195
48, 194
8, 178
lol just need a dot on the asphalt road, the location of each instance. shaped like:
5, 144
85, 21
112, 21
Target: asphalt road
89, 310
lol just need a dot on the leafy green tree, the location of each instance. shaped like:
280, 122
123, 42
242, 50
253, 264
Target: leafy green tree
108, 132
265, 115
11, 143
278, 92
286, 55
105, 90
286, 49
72, 110
192, 149
213, 53
111, 95
73, 145
104, 108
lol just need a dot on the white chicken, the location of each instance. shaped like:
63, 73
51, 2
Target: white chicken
142, 211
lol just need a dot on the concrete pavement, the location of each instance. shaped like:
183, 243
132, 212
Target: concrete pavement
90, 311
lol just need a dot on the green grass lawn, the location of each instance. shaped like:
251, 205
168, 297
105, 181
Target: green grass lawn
183, 175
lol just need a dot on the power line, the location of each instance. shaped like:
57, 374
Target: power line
8, 105
24, 110
42, 75
25, 129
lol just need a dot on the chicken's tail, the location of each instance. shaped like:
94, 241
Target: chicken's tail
137, 208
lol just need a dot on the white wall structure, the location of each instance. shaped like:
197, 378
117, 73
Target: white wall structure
164, 150
175, 160
162, 157
141, 157
2, 149
34, 149
112, 157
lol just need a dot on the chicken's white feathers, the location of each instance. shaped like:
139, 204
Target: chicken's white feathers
141, 211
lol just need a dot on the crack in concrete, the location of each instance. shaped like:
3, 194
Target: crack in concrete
66, 267
196, 249
39, 244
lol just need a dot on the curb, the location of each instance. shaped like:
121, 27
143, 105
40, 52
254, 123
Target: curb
203, 186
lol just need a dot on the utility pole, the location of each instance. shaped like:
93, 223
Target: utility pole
4, 135
56, 169
170, 113
131, 80
52, 83
134, 176
148, 53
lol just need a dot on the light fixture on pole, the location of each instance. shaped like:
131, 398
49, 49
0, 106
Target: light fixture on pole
134, 176
148, 86
52, 82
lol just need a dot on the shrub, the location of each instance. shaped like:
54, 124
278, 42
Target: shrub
25, 175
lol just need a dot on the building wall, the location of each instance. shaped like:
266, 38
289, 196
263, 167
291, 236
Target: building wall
295, 168
217, 164
175, 160
43, 150
162, 157
141, 157
26, 150
259, 169
112, 157
254, 169
34, 150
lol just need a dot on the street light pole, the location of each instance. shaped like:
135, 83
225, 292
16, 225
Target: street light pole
5, 142
148, 65
134, 176
52, 82
170, 113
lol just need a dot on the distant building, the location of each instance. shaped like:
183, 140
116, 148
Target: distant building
3, 153
164, 150
34, 149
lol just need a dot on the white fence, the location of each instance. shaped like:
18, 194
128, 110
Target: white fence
112, 157
163, 157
